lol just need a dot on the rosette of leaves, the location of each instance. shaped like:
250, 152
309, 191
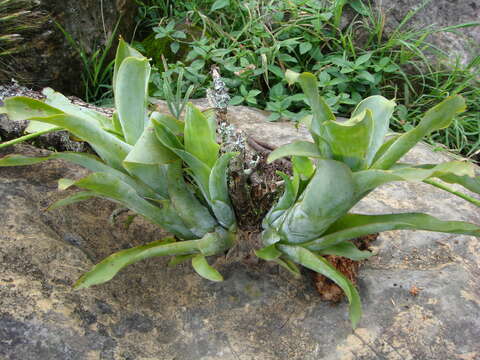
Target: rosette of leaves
343, 164
144, 162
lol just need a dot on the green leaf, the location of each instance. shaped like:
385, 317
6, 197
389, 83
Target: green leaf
438, 117
303, 166
317, 263
352, 226
219, 4
363, 59
365, 75
285, 202
203, 269
108, 186
147, 158
305, 47
200, 137
174, 125
370, 179
190, 210
297, 148
288, 265
321, 111
329, 195
381, 110
131, 91
79, 196
178, 259
350, 141
110, 266
108, 146
268, 253
88, 161
346, 249
123, 51
174, 46
219, 194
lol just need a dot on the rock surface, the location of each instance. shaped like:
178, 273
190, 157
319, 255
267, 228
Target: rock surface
49, 59
150, 311
464, 43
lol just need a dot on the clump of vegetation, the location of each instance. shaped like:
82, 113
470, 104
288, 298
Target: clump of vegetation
173, 173
254, 42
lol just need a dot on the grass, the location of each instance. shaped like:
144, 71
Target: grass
254, 42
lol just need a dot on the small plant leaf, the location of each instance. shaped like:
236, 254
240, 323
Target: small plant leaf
268, 253
200, 136
352, 226
438, 117
381, 110
110, 266
296, 148
203, 269
317, 263
123, 51
79, 196
219, 194
131, 90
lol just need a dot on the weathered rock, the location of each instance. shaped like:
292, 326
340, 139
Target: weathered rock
49, 59
464, 43
150, 311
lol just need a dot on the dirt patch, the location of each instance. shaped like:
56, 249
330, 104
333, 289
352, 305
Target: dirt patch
328, 290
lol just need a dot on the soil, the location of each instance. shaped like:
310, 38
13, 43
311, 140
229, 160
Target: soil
328, 290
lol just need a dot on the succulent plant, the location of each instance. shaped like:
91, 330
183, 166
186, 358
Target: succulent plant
346, 161
173, 173
140, 165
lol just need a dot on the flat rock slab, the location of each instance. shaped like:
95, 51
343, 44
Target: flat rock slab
151, 311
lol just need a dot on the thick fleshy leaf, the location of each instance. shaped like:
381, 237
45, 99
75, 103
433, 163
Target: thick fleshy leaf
381, 110
131, 91
178, 259
317, 263
320, 110
303, 167
203, 269
346, 249
174, 125
79, 196
289, 265
88, 161
199, 137
268, 253
218, 189
297, 148
110, 266
352, 226
61, 102
109, 147
147, 158
438, 117
350, 141
165, 135
370, 179
123, 51
328, 196
111, 187
285, 202
385, 146
193, 213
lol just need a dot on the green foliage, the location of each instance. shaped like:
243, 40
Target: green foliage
146, 162
351, 158
253, 42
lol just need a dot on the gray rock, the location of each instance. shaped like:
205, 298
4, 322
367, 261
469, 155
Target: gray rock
150, 311
464, 43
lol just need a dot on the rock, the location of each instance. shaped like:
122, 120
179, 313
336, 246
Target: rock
151, 311
464, 43
49, 59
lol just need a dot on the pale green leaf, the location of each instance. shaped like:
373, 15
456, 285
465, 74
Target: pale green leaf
203, 269
131, 91
298, 148
346, 249
317, 263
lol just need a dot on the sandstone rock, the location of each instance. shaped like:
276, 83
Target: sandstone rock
150, 311
464, 43
48, 58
